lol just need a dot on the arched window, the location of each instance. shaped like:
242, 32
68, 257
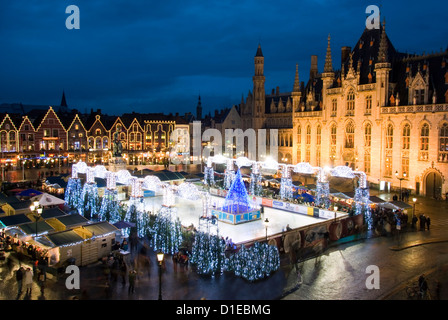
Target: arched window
334, 107
389, 137
350, 103
350, 136
333, 134
299, 135
368, 135
443, 143
406, 136
318, 135
424, 142
308, 134
368, 104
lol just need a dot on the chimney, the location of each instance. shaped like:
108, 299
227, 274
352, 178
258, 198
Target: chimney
345, 52
313, 69
277, 91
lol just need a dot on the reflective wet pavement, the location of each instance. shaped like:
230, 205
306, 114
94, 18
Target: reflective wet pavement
339, 274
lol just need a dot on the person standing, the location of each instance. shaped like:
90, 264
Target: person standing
19, 278
28, 280
428, 222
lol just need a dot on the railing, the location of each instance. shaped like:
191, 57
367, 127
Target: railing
415, 108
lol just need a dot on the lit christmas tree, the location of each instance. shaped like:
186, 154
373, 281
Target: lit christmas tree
110, 207
254, 263
166, 232
90, 201
208, 254
73, 192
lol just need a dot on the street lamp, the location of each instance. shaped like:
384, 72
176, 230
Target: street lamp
335, 212
400, 178
415, 202
36, 209
160, 260
266, 223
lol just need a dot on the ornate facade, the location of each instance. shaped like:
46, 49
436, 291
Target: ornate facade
383, 112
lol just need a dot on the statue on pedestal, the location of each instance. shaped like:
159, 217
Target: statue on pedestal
116, 143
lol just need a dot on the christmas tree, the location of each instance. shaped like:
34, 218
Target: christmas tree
236, 200
73, 192
110, 208
89, 204
166, 232
208, 253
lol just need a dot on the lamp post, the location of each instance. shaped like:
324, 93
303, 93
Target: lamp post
36, 209
400, 178
415, 202
335, 212
160, 260
266, 222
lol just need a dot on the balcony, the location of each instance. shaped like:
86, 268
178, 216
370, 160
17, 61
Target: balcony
415, 108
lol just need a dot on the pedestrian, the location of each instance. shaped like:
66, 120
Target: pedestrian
41, 279
423, 286
19, 278
107, 290
428, 222
123, 271
132, 276
414, 222
422, 222
28, 280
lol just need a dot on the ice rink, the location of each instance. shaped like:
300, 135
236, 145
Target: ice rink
189, 212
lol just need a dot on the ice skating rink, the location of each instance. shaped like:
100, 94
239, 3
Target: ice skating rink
189, 212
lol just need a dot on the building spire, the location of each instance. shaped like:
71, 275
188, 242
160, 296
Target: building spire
259, 53
328, 62
296, 80
63, 101
382, 51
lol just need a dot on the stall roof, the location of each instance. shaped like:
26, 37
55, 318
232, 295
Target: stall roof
375, 199
72, 219
8, 199
401, 204
14, 220
100, 228
30, 228
21, 204
64, 237
166, 175
52, 213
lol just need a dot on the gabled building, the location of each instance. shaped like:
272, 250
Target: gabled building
51, 136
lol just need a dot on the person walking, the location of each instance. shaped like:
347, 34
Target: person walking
428, 222
132, 276
28, 280
422, 222
19, 278
41, 279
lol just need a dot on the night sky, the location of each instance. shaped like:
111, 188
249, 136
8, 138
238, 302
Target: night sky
158, 56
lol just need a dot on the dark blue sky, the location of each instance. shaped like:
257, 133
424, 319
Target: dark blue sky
158, 56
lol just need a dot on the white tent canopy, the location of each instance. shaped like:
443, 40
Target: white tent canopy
46, 199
